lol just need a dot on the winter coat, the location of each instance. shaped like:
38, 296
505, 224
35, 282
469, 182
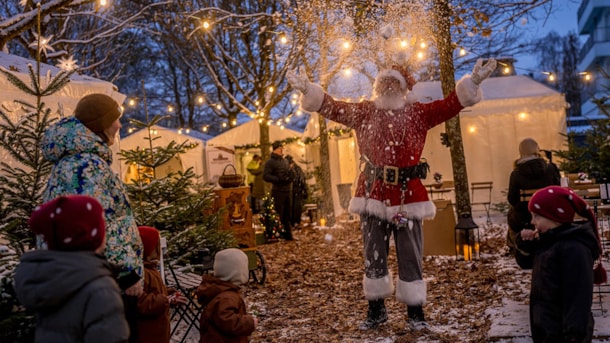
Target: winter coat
258, 186
224, 319
277, 171
299, 183
562, 283
251, 167
389, 138
529, 173
74, 296
82, 166
153, 323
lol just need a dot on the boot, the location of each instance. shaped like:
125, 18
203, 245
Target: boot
376, 315
417, 321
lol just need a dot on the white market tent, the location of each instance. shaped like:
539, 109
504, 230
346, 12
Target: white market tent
513, 108
162, 137
66, 98
248, 133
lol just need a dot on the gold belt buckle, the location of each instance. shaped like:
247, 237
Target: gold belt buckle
390, 180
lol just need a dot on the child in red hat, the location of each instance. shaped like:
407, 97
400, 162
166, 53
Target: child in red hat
70, 286
153, 322
566, 264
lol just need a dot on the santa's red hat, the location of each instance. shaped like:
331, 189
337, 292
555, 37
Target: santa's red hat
399, 73
70, 223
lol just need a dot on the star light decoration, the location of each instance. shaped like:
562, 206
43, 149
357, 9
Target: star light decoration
42, 43
67, 64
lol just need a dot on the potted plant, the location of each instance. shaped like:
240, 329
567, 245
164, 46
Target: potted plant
438, 179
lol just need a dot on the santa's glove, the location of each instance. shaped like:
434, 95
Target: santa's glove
298, 81
481, 72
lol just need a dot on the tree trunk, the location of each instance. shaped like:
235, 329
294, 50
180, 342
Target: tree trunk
327, 208
442, 17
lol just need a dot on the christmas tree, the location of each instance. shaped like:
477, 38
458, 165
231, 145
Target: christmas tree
270, 220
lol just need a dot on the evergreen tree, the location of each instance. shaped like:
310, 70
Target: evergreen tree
593, 156
177, 204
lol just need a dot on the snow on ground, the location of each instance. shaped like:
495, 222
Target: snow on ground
505, 320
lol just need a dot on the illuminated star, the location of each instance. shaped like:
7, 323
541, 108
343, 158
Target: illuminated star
44, 43
67, 64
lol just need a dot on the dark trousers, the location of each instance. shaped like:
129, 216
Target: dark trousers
282, 201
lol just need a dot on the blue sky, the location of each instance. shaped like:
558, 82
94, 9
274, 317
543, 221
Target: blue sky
562, 20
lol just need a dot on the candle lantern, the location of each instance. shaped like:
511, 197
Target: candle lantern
467, 240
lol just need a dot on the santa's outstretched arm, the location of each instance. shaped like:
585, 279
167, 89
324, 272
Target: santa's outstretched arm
467, 88
313, 94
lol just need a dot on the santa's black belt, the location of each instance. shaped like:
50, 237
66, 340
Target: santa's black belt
394, 175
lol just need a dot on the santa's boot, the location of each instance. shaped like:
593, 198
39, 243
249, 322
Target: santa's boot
376, 315
417, 321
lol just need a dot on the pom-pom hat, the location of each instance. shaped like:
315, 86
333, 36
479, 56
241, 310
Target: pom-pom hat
70, 223
231, 265
559, 204
97, 112
150, 238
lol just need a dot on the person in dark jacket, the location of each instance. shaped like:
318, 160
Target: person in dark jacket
70, 285
277, 172
153, 321
224, 318
566, 263
531, 172
299, 192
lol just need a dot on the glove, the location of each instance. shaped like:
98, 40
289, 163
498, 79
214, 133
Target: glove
298, 81
481, 72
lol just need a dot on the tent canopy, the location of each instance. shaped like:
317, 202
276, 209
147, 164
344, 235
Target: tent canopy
67, 97
248, 133
162, 137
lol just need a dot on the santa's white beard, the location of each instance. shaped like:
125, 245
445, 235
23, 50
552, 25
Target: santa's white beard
392, 101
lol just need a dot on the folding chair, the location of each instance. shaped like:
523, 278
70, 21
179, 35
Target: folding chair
481, 195
190, 313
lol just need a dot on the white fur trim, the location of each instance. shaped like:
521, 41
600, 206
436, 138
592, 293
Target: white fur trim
391, 73
312, 101
378, 288
415, 210
411, 293
467, 91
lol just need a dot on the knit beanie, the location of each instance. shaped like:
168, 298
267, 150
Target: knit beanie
559, 204
97, 112
70, 223
528, 147
150, 238
231, 265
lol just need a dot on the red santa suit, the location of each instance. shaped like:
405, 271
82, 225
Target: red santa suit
391, 142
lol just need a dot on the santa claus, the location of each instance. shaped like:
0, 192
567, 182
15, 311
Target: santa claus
390, 198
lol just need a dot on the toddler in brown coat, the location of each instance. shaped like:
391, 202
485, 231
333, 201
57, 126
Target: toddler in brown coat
224, 318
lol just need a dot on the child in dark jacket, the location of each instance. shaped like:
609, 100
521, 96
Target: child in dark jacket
224, 318
153, 322
566, 264
70, 286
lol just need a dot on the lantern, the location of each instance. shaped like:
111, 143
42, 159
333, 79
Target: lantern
466, 239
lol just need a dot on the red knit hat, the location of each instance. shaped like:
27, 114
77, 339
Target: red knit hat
70, 223
559, 204
150, 238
